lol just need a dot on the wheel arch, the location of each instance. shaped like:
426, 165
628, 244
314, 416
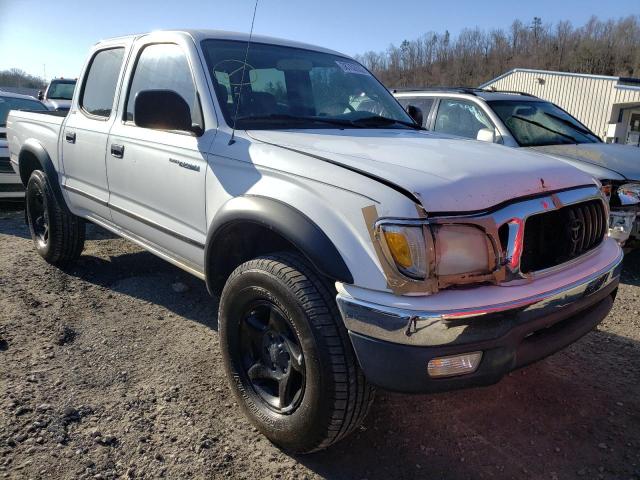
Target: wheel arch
32, 157
249, 226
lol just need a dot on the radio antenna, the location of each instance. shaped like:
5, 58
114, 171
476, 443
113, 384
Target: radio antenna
244, 67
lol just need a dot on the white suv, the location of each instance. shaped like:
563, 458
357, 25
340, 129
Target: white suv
517, 119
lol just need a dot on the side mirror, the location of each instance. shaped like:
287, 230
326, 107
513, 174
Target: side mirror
486, 135
415, 113
40, 95
162, 110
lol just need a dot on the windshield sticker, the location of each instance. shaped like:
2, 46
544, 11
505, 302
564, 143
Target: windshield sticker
348, 67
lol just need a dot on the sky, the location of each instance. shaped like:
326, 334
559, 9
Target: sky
51, 37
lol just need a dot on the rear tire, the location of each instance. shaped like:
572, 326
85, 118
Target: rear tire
58, 235
279, 324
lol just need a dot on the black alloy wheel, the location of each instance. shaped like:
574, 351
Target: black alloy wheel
38, 216
272, 357
57, 234
287, 354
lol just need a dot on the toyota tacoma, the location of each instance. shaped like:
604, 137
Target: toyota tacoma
349, 247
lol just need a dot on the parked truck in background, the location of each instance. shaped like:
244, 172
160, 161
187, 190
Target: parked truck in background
58, 94
349, 247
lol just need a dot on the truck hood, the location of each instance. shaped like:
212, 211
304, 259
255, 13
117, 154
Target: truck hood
446, 174
621, 159
58, 104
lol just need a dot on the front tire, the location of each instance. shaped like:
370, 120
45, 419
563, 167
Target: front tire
288, 356
58, 235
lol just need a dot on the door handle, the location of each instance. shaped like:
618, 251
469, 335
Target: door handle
117, 150
70, 137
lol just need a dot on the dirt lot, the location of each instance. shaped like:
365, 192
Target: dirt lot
112, 370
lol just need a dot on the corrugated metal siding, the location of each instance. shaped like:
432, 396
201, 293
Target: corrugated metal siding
588, 99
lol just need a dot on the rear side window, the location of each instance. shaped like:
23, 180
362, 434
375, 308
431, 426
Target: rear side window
101, 80
461, 118
164, 66
423, 103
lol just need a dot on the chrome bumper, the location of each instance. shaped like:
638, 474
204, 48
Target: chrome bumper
456, 327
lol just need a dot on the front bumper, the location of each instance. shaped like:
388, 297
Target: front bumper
394, 345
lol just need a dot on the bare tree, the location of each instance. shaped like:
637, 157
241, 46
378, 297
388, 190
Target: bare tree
609, 47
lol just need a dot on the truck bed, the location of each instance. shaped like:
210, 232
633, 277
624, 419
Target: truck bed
44, 127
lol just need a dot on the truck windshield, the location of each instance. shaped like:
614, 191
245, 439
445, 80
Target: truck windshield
287, 87
12, 103
61, 90
538, 123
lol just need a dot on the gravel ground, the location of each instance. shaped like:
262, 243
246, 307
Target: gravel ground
112, 370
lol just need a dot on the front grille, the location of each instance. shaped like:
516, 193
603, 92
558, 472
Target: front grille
5, 165
555, 237
3, 135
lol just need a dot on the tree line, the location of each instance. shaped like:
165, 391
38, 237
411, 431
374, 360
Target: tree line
603, 47
15, 77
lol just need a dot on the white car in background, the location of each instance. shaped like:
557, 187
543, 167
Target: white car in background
517, 119
10, 184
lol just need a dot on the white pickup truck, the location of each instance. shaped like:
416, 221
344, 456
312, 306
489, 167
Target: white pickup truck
349, 247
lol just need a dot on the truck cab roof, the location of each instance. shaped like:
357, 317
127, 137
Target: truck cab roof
203, 34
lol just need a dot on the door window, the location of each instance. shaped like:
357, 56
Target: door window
101, 81
164, 66
423, 103
461, 118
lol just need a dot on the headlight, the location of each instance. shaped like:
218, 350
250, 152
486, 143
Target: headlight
629, 194
407, 247
461, 249
453, 249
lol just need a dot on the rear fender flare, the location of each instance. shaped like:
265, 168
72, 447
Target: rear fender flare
32, 147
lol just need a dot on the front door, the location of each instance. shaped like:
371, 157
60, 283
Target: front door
157, 177
84, 139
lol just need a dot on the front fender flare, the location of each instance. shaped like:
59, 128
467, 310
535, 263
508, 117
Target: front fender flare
286, 221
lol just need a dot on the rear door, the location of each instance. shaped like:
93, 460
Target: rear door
157, 177
84, 138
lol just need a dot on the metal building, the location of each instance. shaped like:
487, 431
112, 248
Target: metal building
609, 106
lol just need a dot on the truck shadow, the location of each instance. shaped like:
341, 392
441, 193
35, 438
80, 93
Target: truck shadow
142, 275
12, 219
555, 419
146, 277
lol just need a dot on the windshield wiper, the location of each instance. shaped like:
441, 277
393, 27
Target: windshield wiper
295, 118
570, 124
537, 124
380, 120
